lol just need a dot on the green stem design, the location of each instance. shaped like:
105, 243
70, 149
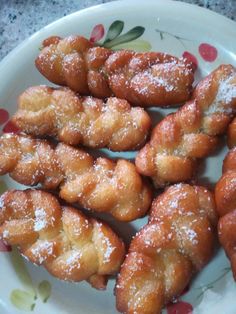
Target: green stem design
210, 285
179, 38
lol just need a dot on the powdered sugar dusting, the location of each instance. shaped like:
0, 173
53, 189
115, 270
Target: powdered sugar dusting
108, 249
5, 234
1, 202
191, 234
40, 219
73, 258
73, 261
154, 81
42, 250
225, 95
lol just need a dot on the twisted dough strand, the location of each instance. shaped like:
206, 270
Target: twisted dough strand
101, 185
177, 242
145, 79
69, 245
225, 194
81, 120
182, 138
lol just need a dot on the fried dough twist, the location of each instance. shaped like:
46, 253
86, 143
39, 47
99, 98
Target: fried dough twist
101, 185
69, 245
231, 136
81, 120
225, 194
182, 138
144, 79
163, 256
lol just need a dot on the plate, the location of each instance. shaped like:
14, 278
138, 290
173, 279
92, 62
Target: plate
174, 27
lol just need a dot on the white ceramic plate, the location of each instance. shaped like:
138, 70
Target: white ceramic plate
172, 27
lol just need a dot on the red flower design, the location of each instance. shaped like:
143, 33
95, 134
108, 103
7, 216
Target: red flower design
4, 247
97, 33
208, 52
180, 307
190, 57
4, 116
9, 127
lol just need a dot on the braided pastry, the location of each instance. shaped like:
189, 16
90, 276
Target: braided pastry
81, 120
101, 185
182, 138
163, 256
144, 79
225, 194
69, 245
231, 136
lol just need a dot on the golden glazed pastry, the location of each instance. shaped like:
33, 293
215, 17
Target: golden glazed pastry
98, 184
177, 242
225, 194
68, 244
184, 137
144, 79
231, 136
77, 120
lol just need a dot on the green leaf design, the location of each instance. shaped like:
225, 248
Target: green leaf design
44, 289
136, 45
22, 272
23, 300
3, 187
114, 30
132, 34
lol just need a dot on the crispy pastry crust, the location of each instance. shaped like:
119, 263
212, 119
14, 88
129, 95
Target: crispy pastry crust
77, 120
68, 244
225, 194
184, 137
144, 79
163, 256
99, 184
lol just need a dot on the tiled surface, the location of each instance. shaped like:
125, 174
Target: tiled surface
21, 18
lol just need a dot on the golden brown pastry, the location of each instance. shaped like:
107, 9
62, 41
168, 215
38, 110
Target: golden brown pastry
182, 138
144, 79
231, 136
81, 120
177, 242
68, 244
225, 194
98, 184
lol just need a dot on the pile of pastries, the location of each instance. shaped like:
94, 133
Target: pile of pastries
100, 105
